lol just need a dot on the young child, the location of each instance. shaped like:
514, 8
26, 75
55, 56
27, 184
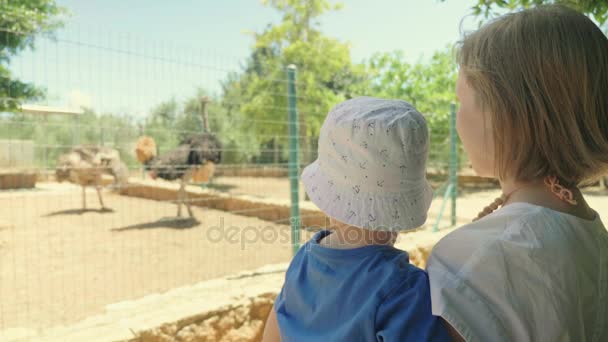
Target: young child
351, 284
533, 90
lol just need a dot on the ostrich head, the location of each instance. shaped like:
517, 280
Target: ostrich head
145, 150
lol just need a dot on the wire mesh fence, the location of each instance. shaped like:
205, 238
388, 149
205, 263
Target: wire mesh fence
102, 236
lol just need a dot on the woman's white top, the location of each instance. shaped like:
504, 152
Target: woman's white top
523, 273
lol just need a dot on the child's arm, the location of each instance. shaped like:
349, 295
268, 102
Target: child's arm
271, 330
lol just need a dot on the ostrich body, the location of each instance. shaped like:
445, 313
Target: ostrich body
85, 166
194, 159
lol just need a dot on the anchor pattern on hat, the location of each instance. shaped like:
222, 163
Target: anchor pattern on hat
371, 127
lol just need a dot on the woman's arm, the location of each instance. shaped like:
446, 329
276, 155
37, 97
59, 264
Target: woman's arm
271, 330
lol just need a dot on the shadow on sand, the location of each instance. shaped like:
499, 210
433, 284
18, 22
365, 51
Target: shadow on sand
80, 212
172, 223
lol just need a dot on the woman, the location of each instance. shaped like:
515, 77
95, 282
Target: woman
533, 90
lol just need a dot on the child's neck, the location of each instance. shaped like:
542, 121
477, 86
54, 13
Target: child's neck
347, 237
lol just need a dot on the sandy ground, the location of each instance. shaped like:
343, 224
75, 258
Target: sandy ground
59, 265
256, 186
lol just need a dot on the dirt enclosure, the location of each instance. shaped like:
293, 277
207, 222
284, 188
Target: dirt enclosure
59, 264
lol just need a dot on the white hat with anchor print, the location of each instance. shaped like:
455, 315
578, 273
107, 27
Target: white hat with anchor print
371, 167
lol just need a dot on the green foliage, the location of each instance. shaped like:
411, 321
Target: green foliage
170, 122
428, 86
161, 125
250, 115
327, 76
239, 143
20, 22
325, 73
56, 134
598, 9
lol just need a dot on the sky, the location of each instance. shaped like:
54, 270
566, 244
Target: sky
128, 56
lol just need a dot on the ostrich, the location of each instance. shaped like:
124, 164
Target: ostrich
194, 158
85, 165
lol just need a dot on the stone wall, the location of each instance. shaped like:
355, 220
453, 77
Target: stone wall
238, 322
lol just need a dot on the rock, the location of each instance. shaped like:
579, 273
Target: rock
248, 332
154, 335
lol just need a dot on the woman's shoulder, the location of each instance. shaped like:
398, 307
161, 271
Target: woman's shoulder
461, 243
517, 230
521, 218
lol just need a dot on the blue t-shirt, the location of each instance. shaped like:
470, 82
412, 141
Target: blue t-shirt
370, 293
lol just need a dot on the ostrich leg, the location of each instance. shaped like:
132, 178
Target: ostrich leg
84, 198
180, 199
183, 198
98, 187
187, 202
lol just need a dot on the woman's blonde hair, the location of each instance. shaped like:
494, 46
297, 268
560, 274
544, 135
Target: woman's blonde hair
542, 74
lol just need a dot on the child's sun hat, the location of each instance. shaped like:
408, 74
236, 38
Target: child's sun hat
371, 167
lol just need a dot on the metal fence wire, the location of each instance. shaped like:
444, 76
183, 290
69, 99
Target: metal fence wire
88, 211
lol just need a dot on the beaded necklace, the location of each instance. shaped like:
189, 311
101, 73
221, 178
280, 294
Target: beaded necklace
551, 182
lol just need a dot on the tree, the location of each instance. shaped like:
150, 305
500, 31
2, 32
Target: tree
428, 86
172, 121
20, 22
325, 73
598, 9
239, 143
161, 125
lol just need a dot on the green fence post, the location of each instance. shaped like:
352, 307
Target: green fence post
453, 161
448, 192
294, 160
